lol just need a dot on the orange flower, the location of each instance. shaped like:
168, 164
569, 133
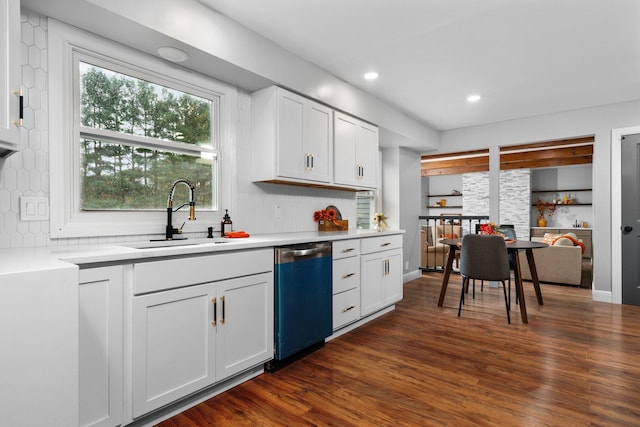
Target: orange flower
328, 215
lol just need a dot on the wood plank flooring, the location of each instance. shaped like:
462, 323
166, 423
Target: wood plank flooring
577, 363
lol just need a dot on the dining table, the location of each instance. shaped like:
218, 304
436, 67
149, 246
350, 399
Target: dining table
513, 247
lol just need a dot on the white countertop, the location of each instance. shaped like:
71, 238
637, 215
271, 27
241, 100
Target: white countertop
21, 260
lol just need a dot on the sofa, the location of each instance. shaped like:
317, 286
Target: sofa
432, 253
561, 262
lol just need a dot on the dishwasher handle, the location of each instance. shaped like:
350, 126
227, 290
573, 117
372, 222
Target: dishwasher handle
293, 253
305, 252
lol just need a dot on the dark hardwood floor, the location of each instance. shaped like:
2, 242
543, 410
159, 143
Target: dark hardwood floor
577, 363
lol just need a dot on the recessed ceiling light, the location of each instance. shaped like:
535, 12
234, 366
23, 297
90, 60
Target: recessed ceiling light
371, 75
172, 54
473, 98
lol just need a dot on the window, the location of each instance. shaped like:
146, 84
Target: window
149, 123
365, 208
124, 126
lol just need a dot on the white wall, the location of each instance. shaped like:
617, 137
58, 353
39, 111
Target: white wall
410, 200
597, 121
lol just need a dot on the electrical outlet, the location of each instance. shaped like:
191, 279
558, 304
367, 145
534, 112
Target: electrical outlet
277, 211
406, 265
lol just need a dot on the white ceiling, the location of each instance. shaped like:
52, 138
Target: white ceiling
525, 57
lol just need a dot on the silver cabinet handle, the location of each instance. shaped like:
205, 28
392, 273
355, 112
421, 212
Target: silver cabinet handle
385, 244
344, 310
344, 276
348, 250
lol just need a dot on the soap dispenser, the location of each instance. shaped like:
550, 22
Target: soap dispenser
226, 224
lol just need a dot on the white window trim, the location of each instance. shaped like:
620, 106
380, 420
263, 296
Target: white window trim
66, 221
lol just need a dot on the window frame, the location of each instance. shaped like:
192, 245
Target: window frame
67, 45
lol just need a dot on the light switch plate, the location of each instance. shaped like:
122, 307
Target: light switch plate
34, 208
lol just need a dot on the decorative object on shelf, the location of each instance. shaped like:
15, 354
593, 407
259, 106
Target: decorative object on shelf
542, 207
330, 219
455, 192
442, 202
380, 221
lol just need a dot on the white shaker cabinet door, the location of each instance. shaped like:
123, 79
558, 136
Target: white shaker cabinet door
367, 155
290, 134
371, 294
9, 80
245, 323
101, 346
392, 277
355, 152
319, 143
173, 343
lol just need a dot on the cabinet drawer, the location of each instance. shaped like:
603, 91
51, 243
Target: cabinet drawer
381, 243
346, 248
346, 274
346, 308
156, 276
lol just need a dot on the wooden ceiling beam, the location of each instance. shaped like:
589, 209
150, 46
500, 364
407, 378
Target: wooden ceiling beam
557, 153
453, 171
563, 152
555, 143
545, 163
458, 154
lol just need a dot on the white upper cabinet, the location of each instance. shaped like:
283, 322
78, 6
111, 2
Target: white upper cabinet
356, 152
9, 77
291, 138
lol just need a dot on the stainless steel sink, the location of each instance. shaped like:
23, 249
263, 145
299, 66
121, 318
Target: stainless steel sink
156, 244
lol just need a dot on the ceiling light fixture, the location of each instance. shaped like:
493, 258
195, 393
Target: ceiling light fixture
371, 75
473, 98
172, 54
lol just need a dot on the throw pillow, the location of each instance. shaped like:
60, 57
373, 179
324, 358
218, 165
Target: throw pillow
549, 238
451, 236
562, 241
568, 239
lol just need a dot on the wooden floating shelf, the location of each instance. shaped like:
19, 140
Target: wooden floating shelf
444, 207
570, 204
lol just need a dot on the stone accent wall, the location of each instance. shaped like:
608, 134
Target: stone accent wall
515, 200
475, 196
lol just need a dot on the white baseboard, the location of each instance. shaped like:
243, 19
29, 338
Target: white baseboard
412, 275
602, 296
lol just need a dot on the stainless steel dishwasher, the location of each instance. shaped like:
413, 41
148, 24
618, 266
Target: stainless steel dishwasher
303, 301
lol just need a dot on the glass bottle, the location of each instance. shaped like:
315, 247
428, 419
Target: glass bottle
226, 224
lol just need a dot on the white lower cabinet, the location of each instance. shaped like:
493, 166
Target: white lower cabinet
381, 273
367, 277
186, 339
101, 346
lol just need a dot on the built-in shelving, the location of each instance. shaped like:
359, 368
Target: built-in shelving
573, 201
443, 196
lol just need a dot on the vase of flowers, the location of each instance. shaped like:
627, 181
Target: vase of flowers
327, 220
542, 207
491, 228
379, 221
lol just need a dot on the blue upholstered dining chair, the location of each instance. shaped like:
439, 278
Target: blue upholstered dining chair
484, 258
